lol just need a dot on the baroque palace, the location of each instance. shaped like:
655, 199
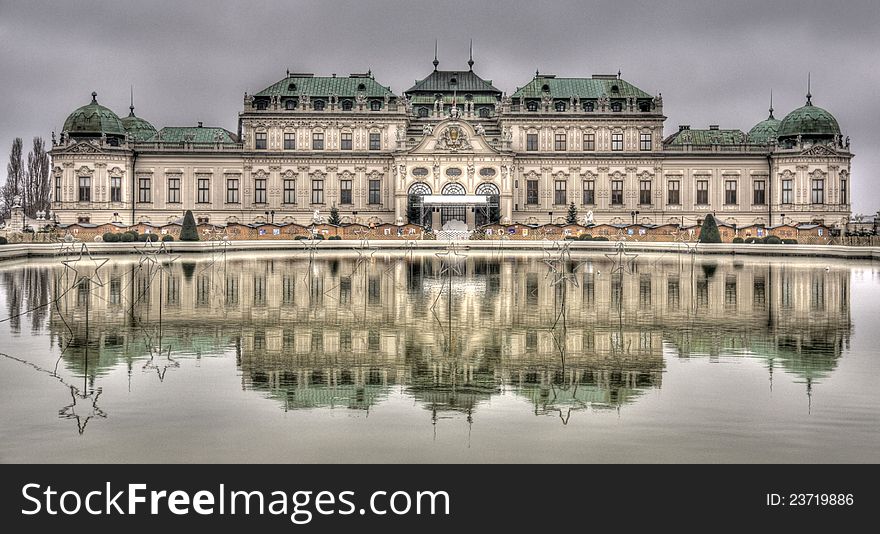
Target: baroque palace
454, 148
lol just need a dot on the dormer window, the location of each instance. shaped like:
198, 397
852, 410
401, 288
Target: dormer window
560, 106
423, 112
589, 106
616, 106
362, 87
375, 105
290, 104
262, 104
484, 113
545, 88
453, 81
346, 105
615, 89
644, 106
291, 87
318, 105
532, 105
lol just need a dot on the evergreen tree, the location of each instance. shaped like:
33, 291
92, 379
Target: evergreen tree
572, 217
334, 216
709, 231
189, 232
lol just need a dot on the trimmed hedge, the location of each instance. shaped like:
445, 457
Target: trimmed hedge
790, 241
167, 238
772, 240
3, 241
335, 238
189, 232
709, 232
127, 237
143, 238
111, 237
600, 238
737, 240
585, 237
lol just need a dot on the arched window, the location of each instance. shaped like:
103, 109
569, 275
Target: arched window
290, 104
420, 188
545, 88
616, 106
484, 112
589, 106
487, 189
318, 105
375, 105
560, 106
291, 87
615, 89
362, 87
454, 189
346, 105
423, 112
644, 106
532, 105
262, 104
453, 81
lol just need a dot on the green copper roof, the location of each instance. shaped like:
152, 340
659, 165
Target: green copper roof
580, 87
198, 134
809, 121
706, 137
138, 128
298, 85
764, 131
461, 82
93, 119
447, 99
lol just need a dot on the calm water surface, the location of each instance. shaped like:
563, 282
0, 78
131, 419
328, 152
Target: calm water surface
391, 357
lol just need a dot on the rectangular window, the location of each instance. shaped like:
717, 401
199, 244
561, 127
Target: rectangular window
375, 141
589, 142
532, 142
843, 196
203, 190
144, 189
375, 194
730, 192
702, 192
559, 142
532, 192
317, 191
616, 192
345, 191
645, 141
115, 189
232, 191
559, 196
174, 190
787, 192
818, 196
317, 141
589, 192
673, 196
260, 191
85, 188
645, 192
345, 141
760, 193
289, 141
290, 191
260, 140
57, 197
617, 141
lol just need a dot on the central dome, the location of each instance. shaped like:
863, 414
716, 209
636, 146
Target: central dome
93, 120
809, 121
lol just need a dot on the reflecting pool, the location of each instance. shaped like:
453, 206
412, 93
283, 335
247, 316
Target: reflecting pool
396, 356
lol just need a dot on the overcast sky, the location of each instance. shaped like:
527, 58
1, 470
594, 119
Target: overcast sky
192, 61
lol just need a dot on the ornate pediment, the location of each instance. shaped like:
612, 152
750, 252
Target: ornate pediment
453, 138
819, 150
84, 171
83, 148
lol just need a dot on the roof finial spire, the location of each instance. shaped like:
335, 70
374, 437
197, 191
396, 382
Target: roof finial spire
771, 105
94, 97
131, 106
471, 60
537, 73
435, 55
618, 74
809, 96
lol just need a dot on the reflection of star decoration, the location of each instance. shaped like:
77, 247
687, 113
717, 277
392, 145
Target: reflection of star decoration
310, 245
73, 263
409, 247
160, 371
66, 247
623, 261
69, 411
556, 253
154, 255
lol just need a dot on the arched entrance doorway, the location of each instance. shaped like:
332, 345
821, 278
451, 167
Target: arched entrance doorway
416, 212
455, 212
491, 211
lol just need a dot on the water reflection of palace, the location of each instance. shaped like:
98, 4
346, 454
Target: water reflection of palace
348, 330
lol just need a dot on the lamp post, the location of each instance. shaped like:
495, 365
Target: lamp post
550, 214
634, 214
783, 218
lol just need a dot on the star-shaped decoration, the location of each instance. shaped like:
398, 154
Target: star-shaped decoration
69, 411
158, 255
622, 260
85, 255
450, 260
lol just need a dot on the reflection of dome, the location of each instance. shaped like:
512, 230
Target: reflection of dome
93, 120
809, 122
764, 131
138, 128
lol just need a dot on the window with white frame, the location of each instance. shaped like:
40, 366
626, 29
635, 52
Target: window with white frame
617, 141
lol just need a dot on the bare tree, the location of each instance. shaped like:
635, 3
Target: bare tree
37, 179
14, 177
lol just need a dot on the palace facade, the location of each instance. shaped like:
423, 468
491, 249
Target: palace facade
452, 147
